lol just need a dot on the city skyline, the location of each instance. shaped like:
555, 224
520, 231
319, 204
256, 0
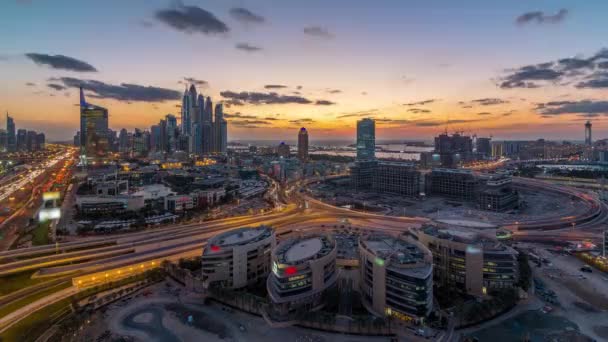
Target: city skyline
533, 70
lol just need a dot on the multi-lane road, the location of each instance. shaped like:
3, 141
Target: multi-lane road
95, 260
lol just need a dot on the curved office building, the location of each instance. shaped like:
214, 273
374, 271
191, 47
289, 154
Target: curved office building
466, 260
302, 269
396, 277
238, 258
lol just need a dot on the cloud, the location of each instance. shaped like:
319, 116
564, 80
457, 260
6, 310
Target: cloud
420, 103
489, 101
246, 16
239, 115
263, 98
386, 121
441, 123
249, 123
146, 23
363, 113
30, 84
301, 121
270, 118
572, 107
334, 91
247, 47
275, 86
191, 19
584, 72
195, 81
57, 87
124, 92
540, 17
484, 113
595, 80
318, 31
61, 62
324, 103
418, 111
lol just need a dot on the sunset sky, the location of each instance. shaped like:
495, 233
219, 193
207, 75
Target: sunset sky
515, 69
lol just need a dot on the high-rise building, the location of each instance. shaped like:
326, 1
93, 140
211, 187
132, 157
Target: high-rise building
93, 130
11, 138
40, 141
303, 144
77, 139
32, 141
171, 128
588, 139
3, 141
186, 113
155, 142
123, 141
484, 146
283, 150
22, 139
221, 130
366, 139
208, 128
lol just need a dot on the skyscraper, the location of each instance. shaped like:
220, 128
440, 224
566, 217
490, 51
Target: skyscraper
588, 140
21, 139
366, 139
303, 144
93, 130
11, 138
221, 130
171, 131
207, 127
186, 113
123, 141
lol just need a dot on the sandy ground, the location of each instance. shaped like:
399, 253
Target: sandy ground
583, 301
209, 319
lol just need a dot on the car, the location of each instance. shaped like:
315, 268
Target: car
586, 268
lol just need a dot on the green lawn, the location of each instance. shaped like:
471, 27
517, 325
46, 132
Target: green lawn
34, 325
13, 282
40, 235
10, 307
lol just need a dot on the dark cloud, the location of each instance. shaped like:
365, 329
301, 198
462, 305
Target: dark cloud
195, 81
583, 72
595, 80
191, 19
527, 77
246, 16
61, 62
249, 123
363, 113
324, 103
363, 93
299, 87
275, 86
123, 92
247, 47
441, 123
318, 31
420, 103
418, 111
484, 113
334, 91
55, 86
239, 115
230, 103
263, 98
30, 84
489, 101
386, 121
146, 23
301, 121
540, 17
270, 118
572, 107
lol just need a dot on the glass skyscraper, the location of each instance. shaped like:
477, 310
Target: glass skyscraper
93, 130
366, 139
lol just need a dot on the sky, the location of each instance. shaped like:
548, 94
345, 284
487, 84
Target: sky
515, 69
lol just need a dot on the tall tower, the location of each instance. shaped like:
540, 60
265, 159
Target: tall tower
11, 137
588, 140
303, 144
94, 132
366, 139
186, 114
221, 130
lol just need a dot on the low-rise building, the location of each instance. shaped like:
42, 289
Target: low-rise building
303, 268
396, 277
467, 261
238, 258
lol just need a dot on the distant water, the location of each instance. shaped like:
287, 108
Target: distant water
329, 143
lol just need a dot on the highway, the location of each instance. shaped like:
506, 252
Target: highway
95, 260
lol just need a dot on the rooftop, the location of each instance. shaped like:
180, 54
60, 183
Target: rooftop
396, 250
467, 236
241, 236
299, 250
